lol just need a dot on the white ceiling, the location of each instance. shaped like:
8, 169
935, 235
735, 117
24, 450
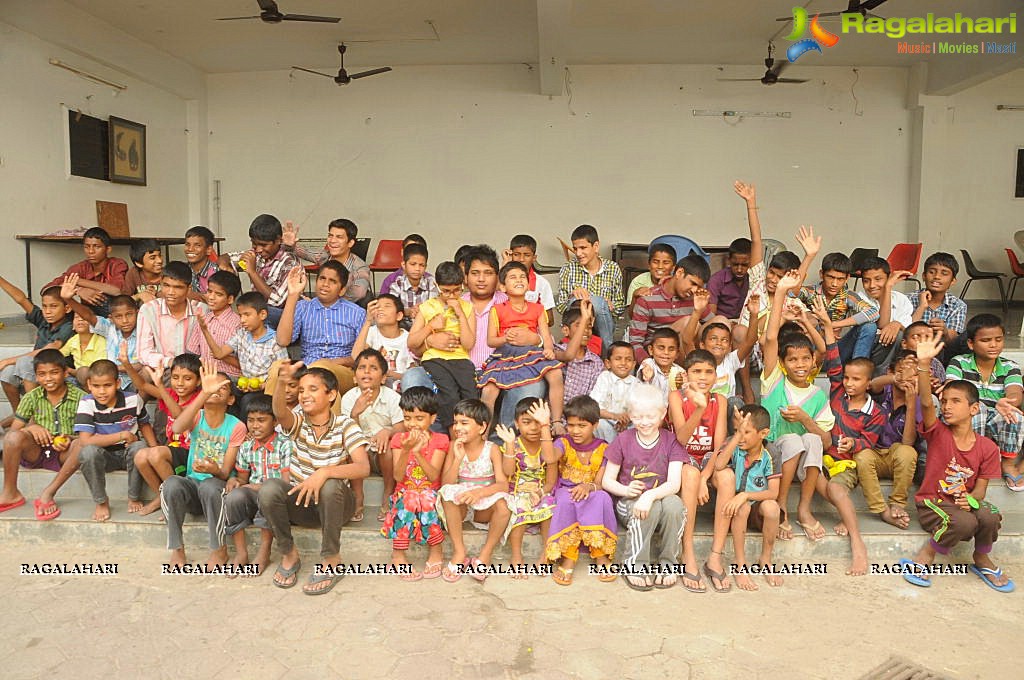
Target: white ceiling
499, 31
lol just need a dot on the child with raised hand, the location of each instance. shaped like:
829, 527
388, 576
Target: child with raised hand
802, 421
583, 513
951, 503
698, 417
118, 330
265, 454
378, 411
157, 463
475, 487
381, 331
527, 460
612, 390
216, 437
755, 505
660, 368
859, 423
645, 466
418, 456
53, 329
514, 363
717, 338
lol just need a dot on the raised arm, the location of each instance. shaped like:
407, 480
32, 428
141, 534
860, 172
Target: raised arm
927, 349
748, 193
286, 326
360, 343
811, 245
771, 334
746, 345
572, 347
211, 381
17, 295
285, 416
67, 293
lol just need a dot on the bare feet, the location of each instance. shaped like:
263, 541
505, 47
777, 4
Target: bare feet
773, 580
859, 565
744, 582
785, 528
134, 506
12, 501
150, 507
102, 512
841, 529
217, 557
518, 575
241, 560
896, 516
177, 558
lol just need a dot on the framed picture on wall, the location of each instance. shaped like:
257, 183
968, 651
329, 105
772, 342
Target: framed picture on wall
127, 151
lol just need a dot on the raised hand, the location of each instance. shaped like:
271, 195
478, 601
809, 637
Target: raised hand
808, 241
821, 311
697, 398
647, 373
505, 434
157, 372
122, 352
296, 280
788, 282
587, 309
738, 420
897, 276
289, 234
754, 305
287, 370
211, 380
747, 192
929, 348
67, 289
540, 412
701, 298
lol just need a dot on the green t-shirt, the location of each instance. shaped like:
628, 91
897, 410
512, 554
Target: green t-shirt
777, 393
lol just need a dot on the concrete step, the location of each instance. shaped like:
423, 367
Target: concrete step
32, 482
885, 543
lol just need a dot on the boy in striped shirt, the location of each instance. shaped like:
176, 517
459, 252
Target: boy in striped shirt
112, 426
1000, 389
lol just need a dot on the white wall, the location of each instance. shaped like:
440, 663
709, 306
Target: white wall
471, 153
36, 193
975, 149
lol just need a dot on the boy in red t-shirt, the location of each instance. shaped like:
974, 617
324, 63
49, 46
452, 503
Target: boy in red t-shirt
951, 502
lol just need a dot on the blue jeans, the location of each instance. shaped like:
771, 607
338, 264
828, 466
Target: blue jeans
858, 342
274, 317
604, 323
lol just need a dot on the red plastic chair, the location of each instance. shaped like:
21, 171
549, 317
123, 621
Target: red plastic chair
387, 258
907, 257
1018, 272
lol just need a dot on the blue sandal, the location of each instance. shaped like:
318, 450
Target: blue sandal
1013, 483
912, 573
315, 579
984, 573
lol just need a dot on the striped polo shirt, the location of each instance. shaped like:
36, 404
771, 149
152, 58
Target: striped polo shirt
326, 332
125, 415
1005, 372
334, 448
223, 327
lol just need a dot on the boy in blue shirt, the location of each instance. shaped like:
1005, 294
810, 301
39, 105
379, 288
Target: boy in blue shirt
754, 501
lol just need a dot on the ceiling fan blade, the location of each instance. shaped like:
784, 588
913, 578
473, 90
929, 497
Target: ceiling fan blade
792, 80
738, 80
372, 72
309, 17
237, 18
308, 70
268, 6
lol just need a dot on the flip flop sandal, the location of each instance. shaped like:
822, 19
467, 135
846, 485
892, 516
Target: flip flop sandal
984, 573
809, 531
787, 527
432, 570
11, 506
357, 516
662, 585
453, 573
607, 577
566, 576
1013, 483
287, 574
644, 588
43, 516
382, 514
716, 576
693, 577
910, 570
477, 564
314, 579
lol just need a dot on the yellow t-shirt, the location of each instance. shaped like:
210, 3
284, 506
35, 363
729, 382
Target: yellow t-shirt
96, 349
435, 306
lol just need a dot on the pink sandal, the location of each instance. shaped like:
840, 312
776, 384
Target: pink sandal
451, 573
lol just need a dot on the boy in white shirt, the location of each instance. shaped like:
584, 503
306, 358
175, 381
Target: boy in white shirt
376, 408
894, 317
381, 331
612, 389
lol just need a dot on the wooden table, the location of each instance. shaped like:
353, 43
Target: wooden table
29, 239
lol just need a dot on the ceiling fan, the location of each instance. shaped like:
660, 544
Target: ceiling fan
771, 74
343, 77
863, 8
270, 14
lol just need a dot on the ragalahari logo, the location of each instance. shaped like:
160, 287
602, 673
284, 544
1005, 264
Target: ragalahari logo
819, 36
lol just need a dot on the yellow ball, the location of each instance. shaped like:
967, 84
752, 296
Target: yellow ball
243, 383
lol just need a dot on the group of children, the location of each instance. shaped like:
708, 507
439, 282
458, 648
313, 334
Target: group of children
638, 433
